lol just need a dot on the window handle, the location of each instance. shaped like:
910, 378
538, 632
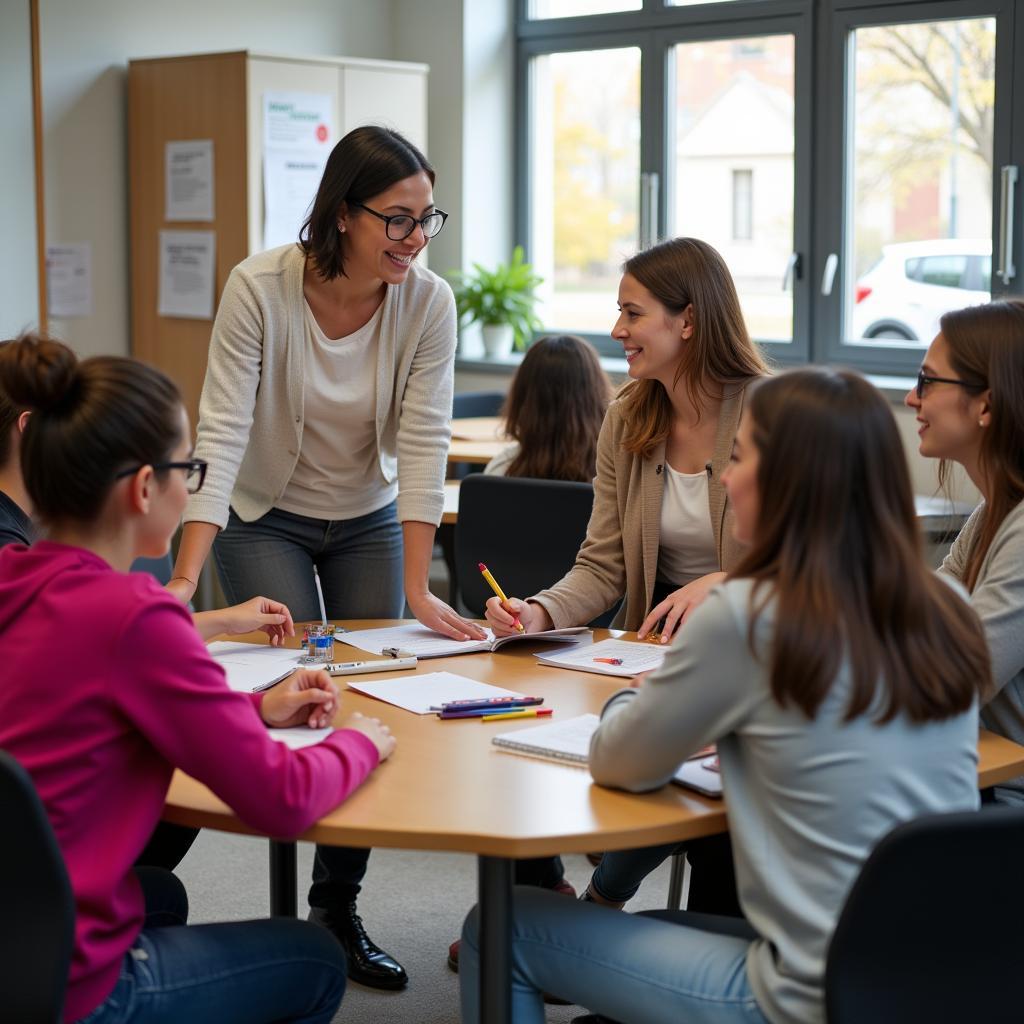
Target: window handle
829, 275
794, 270
648, 209
1006, 270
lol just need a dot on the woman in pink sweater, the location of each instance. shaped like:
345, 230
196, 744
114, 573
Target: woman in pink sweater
107, 463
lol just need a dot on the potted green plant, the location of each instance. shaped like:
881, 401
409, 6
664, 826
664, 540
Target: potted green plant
501, 301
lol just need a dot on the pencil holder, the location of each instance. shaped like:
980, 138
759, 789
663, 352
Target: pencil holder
318, 643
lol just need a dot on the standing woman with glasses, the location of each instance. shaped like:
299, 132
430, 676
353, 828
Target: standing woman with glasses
969, 401
325, 418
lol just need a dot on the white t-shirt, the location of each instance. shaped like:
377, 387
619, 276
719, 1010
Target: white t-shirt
686, 544
338, 475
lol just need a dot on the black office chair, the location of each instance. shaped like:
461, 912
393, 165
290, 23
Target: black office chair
527, 532
37, 910
933, 928
477, 403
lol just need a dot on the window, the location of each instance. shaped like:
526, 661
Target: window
742, 206
852, 179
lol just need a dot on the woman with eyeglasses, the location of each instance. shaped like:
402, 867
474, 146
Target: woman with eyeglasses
107, 463
969, 402
325, 419
840, 680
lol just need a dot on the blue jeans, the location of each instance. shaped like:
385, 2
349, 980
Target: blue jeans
360, 566
645, 969
250, 973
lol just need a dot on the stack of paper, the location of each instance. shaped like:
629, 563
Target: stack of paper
633, 657
252, 667
422, 693
425, 643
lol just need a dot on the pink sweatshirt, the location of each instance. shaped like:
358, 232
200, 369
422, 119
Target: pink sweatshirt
106, 688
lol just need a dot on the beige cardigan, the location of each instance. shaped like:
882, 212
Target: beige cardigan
251, 410
620, 553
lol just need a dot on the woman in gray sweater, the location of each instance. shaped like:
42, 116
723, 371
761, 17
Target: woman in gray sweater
840, 679
969, 401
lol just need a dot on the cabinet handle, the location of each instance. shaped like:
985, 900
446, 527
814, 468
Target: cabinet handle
648, 209
1006, 270
829, 275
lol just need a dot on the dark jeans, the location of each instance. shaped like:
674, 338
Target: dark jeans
712, 876
360, 566
253, 972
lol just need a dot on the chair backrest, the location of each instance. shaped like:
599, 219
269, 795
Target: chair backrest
933, 928
37, 910
527, 532
477, 403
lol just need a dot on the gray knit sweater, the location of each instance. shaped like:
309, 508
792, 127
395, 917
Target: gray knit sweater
998, 598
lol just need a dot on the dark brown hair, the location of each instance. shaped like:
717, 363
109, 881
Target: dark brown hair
719, 354
986, 344
9, 413
362, 165
555, 408
837, 546
89, 420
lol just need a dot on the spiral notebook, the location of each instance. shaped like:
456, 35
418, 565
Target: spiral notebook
569, 741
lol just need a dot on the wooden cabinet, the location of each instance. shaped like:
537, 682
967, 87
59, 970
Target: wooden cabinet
220, 97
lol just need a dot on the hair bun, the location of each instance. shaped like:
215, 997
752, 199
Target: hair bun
38, 373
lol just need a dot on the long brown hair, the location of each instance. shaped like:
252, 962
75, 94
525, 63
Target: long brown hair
555, 408
89, 420
9, 413
986, 344
837, 546
720, 353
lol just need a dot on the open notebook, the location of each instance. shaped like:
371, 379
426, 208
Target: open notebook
425, 643
570, 741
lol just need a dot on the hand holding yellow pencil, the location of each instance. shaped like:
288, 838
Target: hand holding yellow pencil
493, 584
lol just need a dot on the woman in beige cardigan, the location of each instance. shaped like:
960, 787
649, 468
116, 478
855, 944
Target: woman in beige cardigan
659, 533
661, 530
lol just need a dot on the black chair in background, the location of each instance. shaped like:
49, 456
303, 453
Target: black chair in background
471, 404
37, 909
527, 532
933, 928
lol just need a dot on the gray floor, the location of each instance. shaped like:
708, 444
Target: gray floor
413, 905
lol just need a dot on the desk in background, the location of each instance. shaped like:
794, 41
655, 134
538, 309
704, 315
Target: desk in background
476, 440
448, 788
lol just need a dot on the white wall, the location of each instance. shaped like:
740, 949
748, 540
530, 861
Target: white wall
85, 50
19, 298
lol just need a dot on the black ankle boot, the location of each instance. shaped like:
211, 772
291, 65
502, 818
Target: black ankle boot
368, 964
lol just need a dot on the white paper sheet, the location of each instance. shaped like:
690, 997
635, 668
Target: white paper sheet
249, 666
290, 181
69, 279
186, 274
636, 657
300, 736
417, 639
188, 180
297, 120
419, 693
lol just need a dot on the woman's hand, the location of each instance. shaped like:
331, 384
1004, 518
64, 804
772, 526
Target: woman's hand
433, 613
375, 730
679, 606
306, 697
258, 613
501, 617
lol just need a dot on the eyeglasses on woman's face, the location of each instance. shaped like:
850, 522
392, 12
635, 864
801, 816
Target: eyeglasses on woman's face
924, 381
400, 226
195, 472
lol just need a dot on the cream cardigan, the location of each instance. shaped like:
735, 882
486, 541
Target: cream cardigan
251, 414
620, 553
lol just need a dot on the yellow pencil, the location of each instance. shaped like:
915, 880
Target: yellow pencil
493, 583
525, 713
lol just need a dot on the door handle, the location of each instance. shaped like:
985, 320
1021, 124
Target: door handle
828, 277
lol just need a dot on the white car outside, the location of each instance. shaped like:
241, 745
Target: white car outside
903, 295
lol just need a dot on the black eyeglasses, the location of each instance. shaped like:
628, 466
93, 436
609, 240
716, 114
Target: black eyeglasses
401, 226
195, 472
923, 380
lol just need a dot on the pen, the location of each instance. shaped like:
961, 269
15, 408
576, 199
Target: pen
493, 583
486, 702
608, 661
356, 668
525, 713
480, 712
320, 596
